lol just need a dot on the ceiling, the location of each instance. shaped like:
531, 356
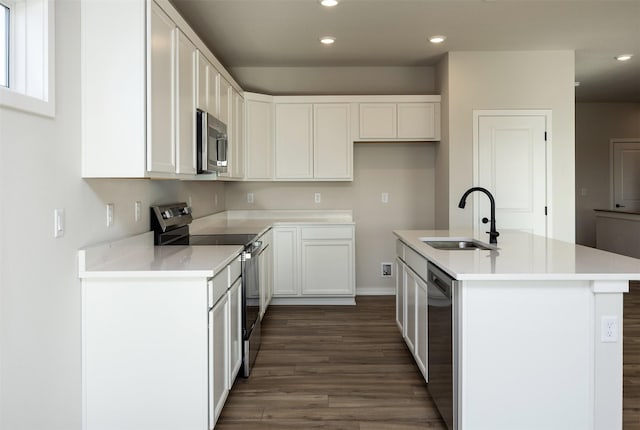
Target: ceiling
285, 33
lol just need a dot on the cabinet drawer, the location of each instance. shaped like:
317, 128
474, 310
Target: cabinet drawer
234, 270
334, 232
218, 286
416, 262
400, 249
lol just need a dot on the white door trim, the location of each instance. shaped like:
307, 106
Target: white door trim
612, 142
477, 114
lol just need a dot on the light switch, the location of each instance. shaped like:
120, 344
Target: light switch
58, 222
110, 209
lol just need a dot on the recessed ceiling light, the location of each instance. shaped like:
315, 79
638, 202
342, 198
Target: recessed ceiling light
327, 40
624, 57
329, 3
437, 39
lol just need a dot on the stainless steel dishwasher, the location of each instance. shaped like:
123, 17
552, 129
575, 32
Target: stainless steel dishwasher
440, 353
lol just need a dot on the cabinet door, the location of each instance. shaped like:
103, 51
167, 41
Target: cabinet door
401, 287
218, 357
212, 90
410, 310
264, 279
225, 101
285, 261
161, 75
327, 267
420, 351
235, 330
236, 159
185, 104
202, 93
332, 144
377, 121
259, 139
417, 121
294, 144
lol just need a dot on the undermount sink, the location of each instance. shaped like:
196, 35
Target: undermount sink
456, 244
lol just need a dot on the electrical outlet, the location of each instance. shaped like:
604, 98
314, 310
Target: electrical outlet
137, 210
190, 201
609, 329
249, 197
386, 270
110, 209
385, 198
58, 222
317, 197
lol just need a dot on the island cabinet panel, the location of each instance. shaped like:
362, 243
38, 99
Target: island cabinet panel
219, 354
235, 330
401, 292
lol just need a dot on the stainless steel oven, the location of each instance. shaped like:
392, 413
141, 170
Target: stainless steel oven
170, 224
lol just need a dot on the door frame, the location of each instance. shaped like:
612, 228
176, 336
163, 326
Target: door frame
612, 142
547, 114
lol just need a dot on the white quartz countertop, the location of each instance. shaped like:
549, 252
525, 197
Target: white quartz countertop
137, 257
523, 256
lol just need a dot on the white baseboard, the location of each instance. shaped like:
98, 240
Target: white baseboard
347, 301
375, 291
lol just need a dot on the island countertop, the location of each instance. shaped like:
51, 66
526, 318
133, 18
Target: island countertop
522, 256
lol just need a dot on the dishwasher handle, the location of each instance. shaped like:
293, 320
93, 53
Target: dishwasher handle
440, 280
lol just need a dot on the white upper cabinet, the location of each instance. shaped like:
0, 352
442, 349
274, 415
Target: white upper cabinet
161, 76
225, 101
333, 147
185, 104
294, 141
259, 136
312, 140
399, 118
141, 85
378, 120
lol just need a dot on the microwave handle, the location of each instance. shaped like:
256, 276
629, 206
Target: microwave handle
222, 149
205, 146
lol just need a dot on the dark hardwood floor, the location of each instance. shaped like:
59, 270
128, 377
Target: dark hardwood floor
345, 367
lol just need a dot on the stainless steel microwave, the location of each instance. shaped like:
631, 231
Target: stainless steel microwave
211, 143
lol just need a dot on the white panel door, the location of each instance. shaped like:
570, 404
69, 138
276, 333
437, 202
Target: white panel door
235, 330
225, 101
202, 83
625, 173
185, 104
285, 261
294, 141
333, 148
161, 74
218, 358
511, 163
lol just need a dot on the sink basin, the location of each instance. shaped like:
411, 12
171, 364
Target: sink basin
455, 244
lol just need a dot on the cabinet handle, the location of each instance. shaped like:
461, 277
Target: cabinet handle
620, 206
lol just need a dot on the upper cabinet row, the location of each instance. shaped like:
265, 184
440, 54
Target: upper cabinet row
306, 138
141, 86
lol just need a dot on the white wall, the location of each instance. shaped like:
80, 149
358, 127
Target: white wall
513, 80
405, 171
336, 80
596, 125
39, 290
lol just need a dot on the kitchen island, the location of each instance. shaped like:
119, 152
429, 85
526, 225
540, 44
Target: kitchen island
536, 329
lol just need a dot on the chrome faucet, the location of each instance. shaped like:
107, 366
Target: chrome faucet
493, 233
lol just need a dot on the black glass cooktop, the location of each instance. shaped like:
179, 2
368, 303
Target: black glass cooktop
221, 239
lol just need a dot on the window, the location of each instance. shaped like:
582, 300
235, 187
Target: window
5, 24
27, 56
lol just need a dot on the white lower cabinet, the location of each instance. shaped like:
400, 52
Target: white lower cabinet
411, 313
314, 261
159, 353
218, 358
266, 272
